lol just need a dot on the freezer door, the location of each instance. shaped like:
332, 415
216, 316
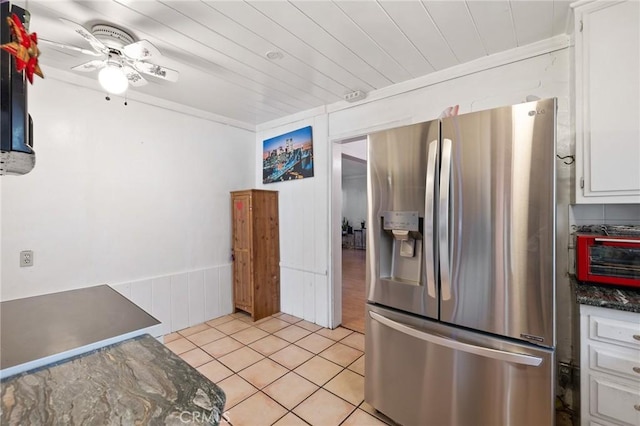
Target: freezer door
401, 187
496, 221
420, 372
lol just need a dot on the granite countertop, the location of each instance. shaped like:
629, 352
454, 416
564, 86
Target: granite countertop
137, 381
620, 298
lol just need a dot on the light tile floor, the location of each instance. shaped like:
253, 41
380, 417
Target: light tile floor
281, 370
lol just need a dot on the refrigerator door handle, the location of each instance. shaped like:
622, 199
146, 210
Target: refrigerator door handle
443, 219
429, 210
512, 357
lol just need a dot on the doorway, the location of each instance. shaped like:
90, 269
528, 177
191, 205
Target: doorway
353, 289
354, 214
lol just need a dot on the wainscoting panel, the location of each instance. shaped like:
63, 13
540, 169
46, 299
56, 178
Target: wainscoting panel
124, 289
322, 300
304, 294
226, 289
179, 301
183, 300
141, 295
212, 304
290, 294
309, 297
196, 298
161, 301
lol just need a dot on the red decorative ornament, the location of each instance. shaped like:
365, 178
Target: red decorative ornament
24, 48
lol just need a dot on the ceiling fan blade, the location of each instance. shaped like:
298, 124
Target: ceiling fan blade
157, 71
134, 77
96, 64
69, 47
86, 34
141, 50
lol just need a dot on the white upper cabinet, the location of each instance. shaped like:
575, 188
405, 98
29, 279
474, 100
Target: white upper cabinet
607, 67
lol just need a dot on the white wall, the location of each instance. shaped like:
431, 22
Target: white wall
357, 149
304, 227
133, 196
354, 199
486, 84
543, 75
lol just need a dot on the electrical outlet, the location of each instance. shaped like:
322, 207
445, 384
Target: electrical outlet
26, 258
565, 374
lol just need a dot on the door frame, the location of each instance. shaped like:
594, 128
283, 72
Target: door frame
335, 228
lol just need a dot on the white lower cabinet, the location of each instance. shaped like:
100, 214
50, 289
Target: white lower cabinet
610, 366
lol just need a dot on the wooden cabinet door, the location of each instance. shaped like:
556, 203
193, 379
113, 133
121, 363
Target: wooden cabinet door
266, 249
241, 246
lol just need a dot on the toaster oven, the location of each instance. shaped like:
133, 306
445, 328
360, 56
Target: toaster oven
613, 260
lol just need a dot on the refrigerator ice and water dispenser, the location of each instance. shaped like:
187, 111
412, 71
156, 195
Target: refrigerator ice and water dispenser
401, 247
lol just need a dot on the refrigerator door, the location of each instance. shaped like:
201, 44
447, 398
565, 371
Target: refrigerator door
496, 221
401, 254
421, 372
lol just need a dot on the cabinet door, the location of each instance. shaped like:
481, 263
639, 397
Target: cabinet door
609, 355
608, 102
241, 246
614, 400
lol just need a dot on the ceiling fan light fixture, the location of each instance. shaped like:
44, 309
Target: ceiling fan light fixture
125, 58
112, 78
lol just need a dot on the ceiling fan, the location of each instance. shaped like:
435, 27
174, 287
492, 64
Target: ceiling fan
122, 59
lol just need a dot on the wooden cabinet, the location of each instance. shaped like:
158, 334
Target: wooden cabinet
256, 252
607, 91
610, 366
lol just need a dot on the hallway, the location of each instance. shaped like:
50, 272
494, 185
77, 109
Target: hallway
353, 289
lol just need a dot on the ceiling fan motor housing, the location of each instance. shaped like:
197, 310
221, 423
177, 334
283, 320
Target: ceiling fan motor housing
112, 37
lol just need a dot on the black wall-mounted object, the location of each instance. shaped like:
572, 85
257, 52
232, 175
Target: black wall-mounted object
17, 156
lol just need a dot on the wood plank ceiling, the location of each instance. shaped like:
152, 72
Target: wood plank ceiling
326, 48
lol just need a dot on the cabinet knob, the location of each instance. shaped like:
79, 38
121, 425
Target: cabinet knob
636, 370
636, 336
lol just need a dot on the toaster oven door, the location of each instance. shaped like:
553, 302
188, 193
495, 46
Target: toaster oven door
610, 260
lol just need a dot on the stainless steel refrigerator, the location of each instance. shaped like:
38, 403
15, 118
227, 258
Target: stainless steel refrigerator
460, 319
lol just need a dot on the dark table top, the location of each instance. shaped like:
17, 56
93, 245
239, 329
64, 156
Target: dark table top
38, 330
137, 381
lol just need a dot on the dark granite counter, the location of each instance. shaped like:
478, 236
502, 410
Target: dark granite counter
138, 381
620, 298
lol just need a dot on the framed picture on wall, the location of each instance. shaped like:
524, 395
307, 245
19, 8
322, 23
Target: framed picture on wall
288, 156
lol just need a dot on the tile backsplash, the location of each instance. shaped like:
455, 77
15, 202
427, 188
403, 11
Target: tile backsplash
599, 214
